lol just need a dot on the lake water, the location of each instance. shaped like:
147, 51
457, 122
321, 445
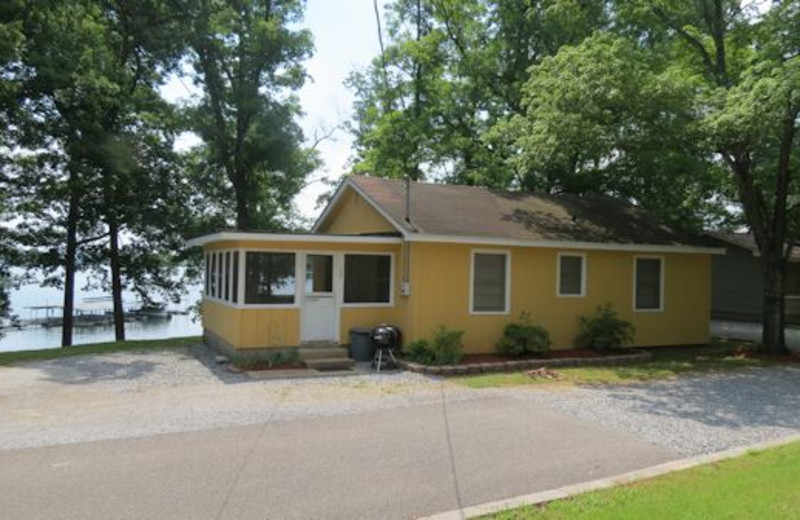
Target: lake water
50, 337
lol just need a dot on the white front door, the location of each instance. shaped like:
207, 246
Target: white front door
318, 316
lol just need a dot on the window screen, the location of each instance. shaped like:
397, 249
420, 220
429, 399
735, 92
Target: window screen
235, 284
213, 257
208, 274
648, 283
570, 282
319, 273
367, 278
489, 283
226, 276
270, 278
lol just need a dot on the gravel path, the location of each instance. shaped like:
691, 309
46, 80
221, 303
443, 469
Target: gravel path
692, 415
133, 394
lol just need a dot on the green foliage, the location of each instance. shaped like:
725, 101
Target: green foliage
604, 330
444, 348
419, 351
258, 360
453, 69
247, 61
523, 337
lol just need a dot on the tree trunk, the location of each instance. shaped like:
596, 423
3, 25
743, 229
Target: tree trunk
116, 278
243, 220
773, 339
68, 314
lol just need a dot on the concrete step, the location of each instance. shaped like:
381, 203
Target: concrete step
307, 353
337, 363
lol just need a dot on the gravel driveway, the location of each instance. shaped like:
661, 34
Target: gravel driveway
692, 415
136, 394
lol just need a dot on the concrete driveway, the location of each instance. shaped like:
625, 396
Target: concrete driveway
752, 332
398, 463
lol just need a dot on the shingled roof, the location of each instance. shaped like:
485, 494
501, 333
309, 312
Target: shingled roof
747, 242
466, 211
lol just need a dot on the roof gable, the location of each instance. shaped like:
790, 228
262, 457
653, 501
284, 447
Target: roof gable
473, 212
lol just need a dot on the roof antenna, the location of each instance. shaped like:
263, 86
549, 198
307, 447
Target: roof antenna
408, 199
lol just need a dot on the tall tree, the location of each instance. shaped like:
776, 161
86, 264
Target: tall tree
683, 106
610, 117
454, 69
247, 60
95, 138
750, 101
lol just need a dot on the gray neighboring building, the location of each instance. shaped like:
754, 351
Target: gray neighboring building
737, 281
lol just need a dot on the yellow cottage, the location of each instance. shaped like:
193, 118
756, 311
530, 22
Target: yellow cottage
419, 255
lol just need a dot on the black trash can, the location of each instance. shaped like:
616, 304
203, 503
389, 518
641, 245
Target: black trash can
361, 347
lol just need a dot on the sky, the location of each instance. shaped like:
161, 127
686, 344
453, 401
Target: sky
345, 39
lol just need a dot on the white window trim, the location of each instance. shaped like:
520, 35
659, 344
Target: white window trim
661, 281
582, 256
390, 303
507, 254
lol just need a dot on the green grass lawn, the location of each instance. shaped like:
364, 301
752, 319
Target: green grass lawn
666, 364
759, 485
6, 358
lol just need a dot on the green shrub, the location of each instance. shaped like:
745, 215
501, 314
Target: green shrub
444, 348
446, 345
419, 351
523, 337
604, 330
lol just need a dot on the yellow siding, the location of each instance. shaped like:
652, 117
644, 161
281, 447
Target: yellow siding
353, 216
440, 284
222, 320
441, 281
269, 328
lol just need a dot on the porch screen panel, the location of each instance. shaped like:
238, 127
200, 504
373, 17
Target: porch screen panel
235, 284
213, 263
489, 283
220, 274
208, 274
648, 283
227, 295
367, 278
269, 278
571, 282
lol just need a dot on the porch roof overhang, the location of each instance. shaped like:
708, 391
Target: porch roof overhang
252, 236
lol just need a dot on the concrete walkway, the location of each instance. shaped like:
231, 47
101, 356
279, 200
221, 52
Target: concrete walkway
400, 463
752, 332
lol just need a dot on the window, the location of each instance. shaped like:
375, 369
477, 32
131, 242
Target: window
269, 278
319, 273
649, 291
571, 274
367, 279
490, 282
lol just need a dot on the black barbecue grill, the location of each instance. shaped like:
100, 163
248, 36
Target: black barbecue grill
386, 339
